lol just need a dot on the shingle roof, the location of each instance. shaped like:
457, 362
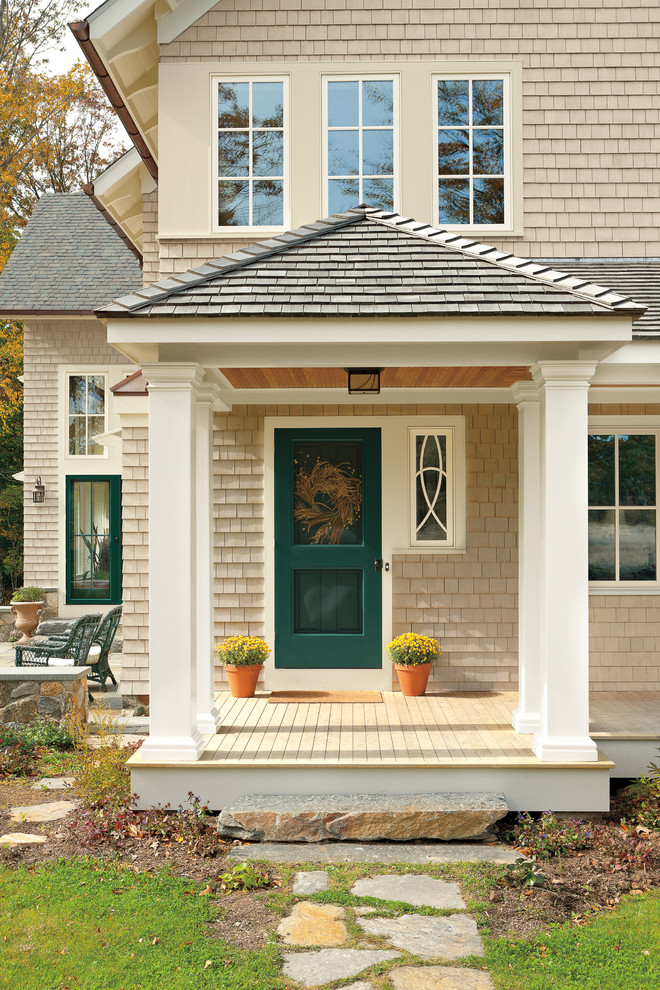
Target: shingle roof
68, 260
370, 263
638, 279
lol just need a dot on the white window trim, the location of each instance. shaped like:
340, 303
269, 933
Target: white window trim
241, 231
392, 77
448, 434
509, 158
631, 425
77, 374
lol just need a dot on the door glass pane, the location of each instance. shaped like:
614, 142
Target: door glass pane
327, 602
90, 538
637, 545
636, 470
602, 546
327, 492
431, 487
601, 470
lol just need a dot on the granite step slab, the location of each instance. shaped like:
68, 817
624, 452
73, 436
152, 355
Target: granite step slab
376, 852
311, 924
439, 978
52, 811
314, 968
420, 891
428, 937
363, 817
310, 882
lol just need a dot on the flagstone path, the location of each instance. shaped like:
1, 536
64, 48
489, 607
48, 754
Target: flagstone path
321, 932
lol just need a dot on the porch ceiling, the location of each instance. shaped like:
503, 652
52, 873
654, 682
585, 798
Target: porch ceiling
460, 377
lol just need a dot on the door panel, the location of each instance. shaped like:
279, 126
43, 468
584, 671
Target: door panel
327, 537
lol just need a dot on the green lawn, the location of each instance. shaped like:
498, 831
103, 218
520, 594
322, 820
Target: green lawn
618, 951
94, 926
98, 927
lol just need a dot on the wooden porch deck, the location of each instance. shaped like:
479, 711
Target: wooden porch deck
438, 743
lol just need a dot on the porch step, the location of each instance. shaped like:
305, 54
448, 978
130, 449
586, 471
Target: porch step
360, 818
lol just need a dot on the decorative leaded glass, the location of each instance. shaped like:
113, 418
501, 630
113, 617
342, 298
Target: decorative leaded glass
431, 488
622, 507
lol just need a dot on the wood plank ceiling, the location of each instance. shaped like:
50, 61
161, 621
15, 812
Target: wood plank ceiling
464, 377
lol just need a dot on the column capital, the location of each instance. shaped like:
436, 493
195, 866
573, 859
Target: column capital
563, 374
210, 393
172, 375
525, 393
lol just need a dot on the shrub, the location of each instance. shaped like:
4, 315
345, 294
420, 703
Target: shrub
18, 757
637, 804
44, 731
413, 650
243, 651
550, 836
29, 594
618, 849
244, 876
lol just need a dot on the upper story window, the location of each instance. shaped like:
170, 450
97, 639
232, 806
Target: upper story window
251, 153
622, 506
86, 403
360, 148
472, 161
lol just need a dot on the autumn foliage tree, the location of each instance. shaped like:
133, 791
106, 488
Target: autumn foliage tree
56, 133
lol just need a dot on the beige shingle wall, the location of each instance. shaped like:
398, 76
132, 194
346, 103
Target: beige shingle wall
590, 94
150, 250
467, 601
48, 344
135, 559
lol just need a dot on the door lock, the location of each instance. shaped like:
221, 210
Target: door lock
381, 565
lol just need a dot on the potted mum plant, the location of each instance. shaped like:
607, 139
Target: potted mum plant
28, 605
413, 656
243, 657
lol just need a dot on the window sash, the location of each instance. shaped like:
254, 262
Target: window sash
252, 179
81, 423
469, 176
618, 511
431, 487
361, 176
93, 521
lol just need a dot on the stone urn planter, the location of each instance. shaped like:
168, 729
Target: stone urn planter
28, 605
243, 659
27, 619
412, 656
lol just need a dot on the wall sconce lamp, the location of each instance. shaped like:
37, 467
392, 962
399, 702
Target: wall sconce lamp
39, 492
363, 381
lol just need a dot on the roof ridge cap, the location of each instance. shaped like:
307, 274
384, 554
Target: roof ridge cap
544, 272
200, 275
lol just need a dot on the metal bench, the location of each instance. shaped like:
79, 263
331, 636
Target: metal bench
100, 650
71, 650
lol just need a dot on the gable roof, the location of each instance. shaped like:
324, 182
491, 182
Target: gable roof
68, 260
368, 263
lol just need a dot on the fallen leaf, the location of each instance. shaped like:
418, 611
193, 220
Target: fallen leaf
155, 941
646, 952
207, 890
208, 964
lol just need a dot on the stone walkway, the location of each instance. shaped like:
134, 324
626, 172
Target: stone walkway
321, 934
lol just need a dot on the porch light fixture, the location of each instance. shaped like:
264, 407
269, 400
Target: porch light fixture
39, 492
363, 381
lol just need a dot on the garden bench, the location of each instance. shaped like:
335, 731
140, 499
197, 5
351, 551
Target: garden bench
70, 649
101, 646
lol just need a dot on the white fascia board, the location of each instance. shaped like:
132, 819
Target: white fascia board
121, 169
174, 23
361, 330
340, 397
110, 14
636, 352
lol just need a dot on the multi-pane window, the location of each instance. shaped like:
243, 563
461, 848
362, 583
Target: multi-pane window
361, 143
431, 473
86, 400
471, 151
251, 153
622, 507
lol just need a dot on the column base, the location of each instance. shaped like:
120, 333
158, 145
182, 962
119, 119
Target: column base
525, 722
565, 749
208, 723
172, 749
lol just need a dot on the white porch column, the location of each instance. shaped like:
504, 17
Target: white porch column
527, 716
172, 573
208, 717
564, 731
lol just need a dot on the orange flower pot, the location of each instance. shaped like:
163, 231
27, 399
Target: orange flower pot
242, 680
413, 680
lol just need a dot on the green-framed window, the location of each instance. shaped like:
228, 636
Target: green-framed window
93, 512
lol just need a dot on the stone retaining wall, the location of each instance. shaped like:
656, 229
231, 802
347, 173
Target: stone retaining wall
27, 692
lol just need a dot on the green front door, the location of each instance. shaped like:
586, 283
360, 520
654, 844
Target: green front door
327, 542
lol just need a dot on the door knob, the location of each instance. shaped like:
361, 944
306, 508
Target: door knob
381, 565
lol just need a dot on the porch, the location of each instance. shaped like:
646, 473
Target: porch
439, 743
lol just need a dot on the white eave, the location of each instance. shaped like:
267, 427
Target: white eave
120, 188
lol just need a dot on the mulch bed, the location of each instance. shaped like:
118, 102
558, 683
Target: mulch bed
576, 886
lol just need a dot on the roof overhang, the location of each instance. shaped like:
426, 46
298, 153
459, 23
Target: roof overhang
118, 192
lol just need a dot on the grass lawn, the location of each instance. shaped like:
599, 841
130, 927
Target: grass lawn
618, 951
87, 924
73, 925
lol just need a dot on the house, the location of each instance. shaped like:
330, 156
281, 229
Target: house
486, 281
